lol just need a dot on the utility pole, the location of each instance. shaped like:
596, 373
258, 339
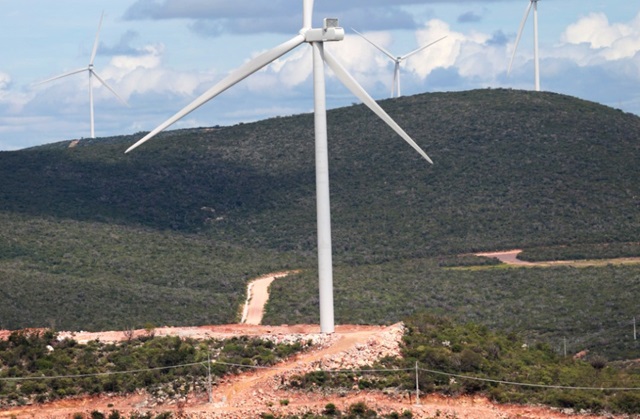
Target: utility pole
417, 386
634, 328
209, 376
565, 347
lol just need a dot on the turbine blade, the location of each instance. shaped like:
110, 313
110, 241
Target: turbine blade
95, 43
384, 51
80, 70
415, 51
104, 83
307, 14
236, 76
515, 47
357, 90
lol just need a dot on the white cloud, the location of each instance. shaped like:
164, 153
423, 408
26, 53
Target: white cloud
5, 81
368, 65
472, 55
443, 54
595, 30
286, 72
144, 73
149, 58
11, 102
474, 59
614, 41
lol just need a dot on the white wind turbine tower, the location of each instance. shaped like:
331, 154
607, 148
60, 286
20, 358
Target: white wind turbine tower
395, 87
316, 38
92, 73
533, 4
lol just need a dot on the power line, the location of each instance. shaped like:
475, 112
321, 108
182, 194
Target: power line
97, 374
512, 383
337, 371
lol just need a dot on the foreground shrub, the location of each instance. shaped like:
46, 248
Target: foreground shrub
169, 364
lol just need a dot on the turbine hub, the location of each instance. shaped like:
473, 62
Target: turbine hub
328, 33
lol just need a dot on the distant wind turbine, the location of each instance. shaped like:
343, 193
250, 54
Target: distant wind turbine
395, 87
316, 37
92, 73
533, 4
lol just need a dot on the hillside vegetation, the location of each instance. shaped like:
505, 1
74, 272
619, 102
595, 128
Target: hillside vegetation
568, 308
71, 275
470, 359
511, 169
169, 234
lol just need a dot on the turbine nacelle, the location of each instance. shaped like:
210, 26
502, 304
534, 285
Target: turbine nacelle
328, 33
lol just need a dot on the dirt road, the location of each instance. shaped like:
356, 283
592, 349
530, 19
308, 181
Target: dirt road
510, 257
257, 297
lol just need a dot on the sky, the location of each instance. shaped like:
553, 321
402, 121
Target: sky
159, 55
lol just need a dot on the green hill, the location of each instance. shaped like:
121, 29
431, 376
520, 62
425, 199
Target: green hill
169, 234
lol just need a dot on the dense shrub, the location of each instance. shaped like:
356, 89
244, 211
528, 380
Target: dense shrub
460, 359
160, 361
581, 251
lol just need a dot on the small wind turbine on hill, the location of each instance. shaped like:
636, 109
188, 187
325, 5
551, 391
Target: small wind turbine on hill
92, 73
533, 4
395, 87
316, 37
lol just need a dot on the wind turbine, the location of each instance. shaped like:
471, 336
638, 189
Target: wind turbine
395, 87
533, 4
92, 73
316, 37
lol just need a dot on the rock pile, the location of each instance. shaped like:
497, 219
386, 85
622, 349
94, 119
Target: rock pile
377, 347
315, 339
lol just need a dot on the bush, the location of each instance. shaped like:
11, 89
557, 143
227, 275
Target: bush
360, 410
627, 402
330, 410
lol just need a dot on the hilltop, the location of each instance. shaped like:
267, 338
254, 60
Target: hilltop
512, 169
